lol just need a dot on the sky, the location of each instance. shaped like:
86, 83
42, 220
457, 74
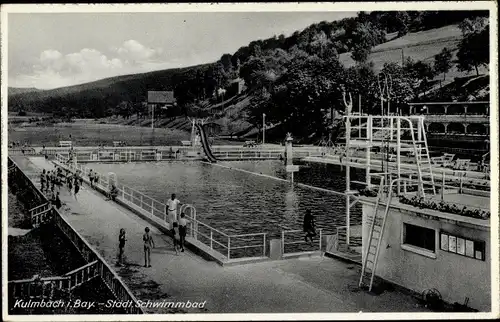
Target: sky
50, 50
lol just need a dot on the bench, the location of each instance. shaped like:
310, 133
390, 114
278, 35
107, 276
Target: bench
250, 144
118, 143
65, 144
445, 160
462, 164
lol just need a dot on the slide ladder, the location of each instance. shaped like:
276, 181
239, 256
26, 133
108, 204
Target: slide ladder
377, 225
205, 145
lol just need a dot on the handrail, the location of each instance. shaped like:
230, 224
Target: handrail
285, 232
107, 274
133, 194
43, 279
246, 235
81, 268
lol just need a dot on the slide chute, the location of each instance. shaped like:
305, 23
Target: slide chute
205, 145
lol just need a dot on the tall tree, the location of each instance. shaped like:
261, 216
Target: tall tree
226, 62
442, 62
363, 37
473, 49
420, 72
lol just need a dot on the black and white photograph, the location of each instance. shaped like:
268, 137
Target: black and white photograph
258, 161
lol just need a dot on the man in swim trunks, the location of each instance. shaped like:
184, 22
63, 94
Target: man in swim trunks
172, 205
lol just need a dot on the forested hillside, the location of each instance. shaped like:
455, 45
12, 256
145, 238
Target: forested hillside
297, 81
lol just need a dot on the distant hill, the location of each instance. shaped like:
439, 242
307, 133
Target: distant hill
89, 98
20, 90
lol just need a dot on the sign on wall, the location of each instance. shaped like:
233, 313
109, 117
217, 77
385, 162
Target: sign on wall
462, 246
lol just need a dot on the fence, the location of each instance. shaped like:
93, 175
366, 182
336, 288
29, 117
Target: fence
40, 214
22, 151
230, 246
95, 262
83, 274
46, 287
410, 185
291, 238
38, 288
125, 154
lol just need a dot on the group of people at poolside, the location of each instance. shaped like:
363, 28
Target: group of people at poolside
52, 182
179, 232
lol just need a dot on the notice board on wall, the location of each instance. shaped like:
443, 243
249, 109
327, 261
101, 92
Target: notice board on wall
462, 246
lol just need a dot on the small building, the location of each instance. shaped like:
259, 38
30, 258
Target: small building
424, 249
236, 87
161, 98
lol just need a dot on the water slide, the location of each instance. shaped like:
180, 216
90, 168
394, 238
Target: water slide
204, 143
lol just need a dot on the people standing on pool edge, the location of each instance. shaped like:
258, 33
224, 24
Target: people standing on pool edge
177, 237
77, 185
172, 205
121, 247
91, 178
182, 230
42, 181
148, 244
309, 226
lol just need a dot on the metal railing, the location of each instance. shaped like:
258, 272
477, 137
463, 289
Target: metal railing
295, 240
125, 154
40, 214
410, 186
45, 287
230, 246
38, 287
107, 274
83, 274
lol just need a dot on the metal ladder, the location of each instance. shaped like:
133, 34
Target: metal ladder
424, 159
419, 149
374, 239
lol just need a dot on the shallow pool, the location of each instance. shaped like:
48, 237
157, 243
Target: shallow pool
237, 202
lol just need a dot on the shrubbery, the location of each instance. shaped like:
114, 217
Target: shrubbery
442, 206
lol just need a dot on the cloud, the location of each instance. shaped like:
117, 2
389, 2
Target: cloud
53, 69
133, 52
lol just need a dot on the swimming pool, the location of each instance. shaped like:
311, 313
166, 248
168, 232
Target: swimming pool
237, 202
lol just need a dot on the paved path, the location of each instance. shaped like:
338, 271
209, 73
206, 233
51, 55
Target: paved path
312, 284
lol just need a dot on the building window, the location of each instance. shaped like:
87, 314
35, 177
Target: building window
421, 237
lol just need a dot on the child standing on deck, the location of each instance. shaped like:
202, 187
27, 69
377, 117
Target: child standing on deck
69, 182
42, 180
183, 230
91, 178
177, 237
77, 185
148, 244
121, 246
309, 226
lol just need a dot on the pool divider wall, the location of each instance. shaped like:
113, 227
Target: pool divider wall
192, 244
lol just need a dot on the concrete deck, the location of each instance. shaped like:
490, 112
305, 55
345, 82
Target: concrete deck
304, 284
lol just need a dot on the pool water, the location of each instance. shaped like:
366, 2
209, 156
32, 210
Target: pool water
236, 202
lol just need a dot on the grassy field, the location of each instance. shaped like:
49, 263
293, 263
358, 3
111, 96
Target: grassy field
419, 46
91, 134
